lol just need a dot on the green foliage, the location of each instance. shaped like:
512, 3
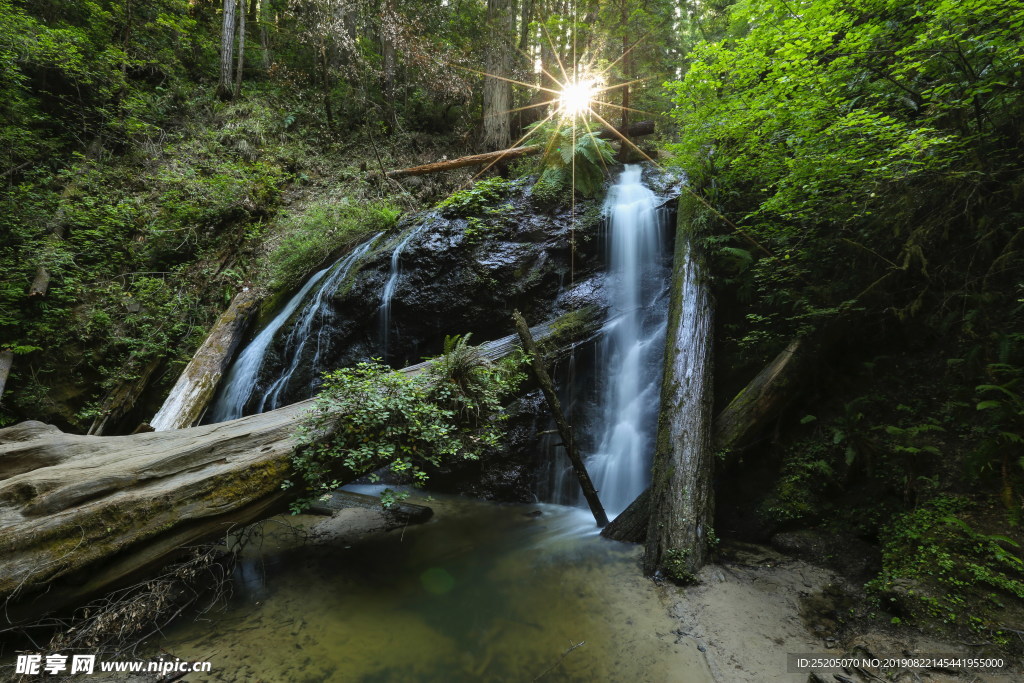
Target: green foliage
851, 141
574, 158
675, 566
475, 200
369, 417
808, 471
957, 575
307, 237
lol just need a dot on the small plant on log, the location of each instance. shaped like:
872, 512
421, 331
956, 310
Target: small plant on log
370, 417
576, 159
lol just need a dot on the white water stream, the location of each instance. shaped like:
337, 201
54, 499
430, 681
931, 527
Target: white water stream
240, 386
384, 311
623, 421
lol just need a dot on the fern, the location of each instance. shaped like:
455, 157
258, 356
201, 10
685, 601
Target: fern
574, 158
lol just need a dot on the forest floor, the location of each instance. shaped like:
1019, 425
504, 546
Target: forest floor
756, 606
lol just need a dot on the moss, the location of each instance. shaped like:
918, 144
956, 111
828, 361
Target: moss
675, 565
474, 200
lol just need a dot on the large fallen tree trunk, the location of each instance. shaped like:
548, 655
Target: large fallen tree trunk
79, 514
187, 401
636, 130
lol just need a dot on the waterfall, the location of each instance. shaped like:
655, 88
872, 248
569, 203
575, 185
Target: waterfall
384, 311
620, 424
241, 384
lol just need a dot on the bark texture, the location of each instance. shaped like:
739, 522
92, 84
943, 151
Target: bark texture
681, 497
497, 91
227, 46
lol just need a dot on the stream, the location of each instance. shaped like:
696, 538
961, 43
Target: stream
482, 592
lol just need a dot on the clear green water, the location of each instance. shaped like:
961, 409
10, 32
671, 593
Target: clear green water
482, 592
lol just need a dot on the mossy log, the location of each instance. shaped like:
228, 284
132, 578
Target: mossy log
81, 514
760, 403
192, 393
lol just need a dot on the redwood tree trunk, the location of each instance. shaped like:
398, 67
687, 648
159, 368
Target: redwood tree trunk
227, 46
498, 92
682, 501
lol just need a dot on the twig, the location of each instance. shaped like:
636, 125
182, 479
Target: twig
559, 662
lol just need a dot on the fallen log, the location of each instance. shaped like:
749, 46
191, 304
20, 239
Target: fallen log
564, 430
742, 422
638, 129
188, 399
80, 514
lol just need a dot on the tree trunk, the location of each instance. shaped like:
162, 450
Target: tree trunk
194, 390
264, 37
564, 430
227, 44
241, 47
6, 362
498, 92
682, 504
79, 514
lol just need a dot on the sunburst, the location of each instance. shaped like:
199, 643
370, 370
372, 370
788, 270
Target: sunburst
574, 100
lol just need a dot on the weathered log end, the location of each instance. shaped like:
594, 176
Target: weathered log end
631, 524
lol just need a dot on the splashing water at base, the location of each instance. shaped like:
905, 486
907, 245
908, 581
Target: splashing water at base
482, 592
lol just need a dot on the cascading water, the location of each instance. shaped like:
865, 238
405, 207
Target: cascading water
384, 311
240, 386
623, 419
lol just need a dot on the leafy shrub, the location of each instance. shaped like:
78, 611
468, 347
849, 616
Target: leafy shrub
370, 416
474, 200
950, 565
